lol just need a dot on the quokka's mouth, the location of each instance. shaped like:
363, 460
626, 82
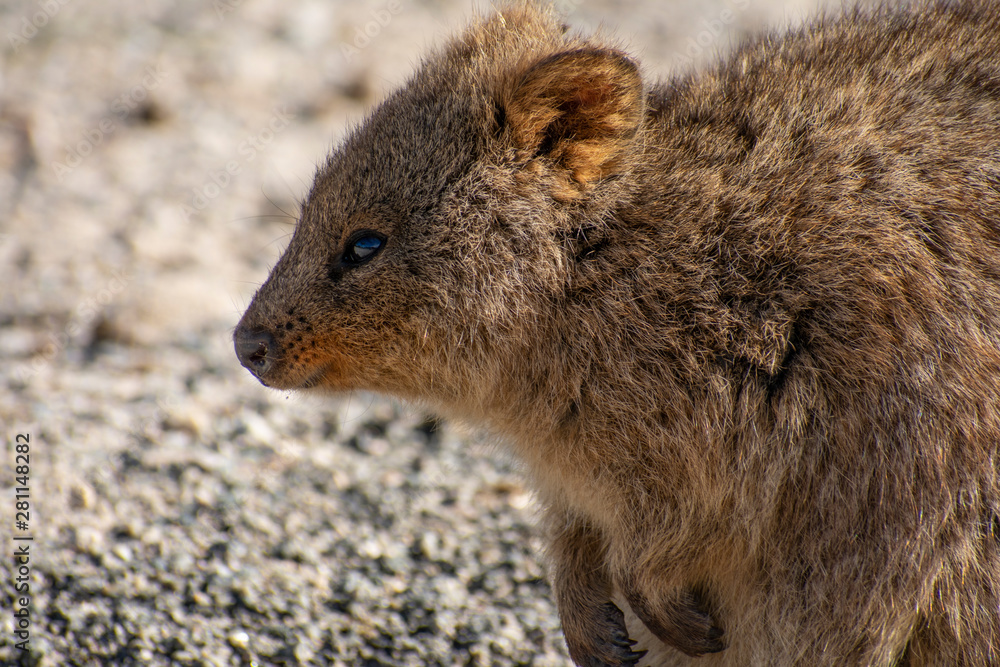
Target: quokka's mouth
315, 379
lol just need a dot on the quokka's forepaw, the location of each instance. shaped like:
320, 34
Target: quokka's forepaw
608, 643
682, 623
694, 632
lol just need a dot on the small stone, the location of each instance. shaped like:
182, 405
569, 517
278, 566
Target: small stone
123, 552
81, 496
89, 540
258, 429
239, 639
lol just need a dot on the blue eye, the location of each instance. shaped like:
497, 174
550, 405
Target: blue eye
362, 247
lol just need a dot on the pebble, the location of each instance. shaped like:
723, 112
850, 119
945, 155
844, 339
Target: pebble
239, 639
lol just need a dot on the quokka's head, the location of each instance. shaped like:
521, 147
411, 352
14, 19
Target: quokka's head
442, 230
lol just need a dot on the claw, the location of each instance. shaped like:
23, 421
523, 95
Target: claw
630, 659
610, 645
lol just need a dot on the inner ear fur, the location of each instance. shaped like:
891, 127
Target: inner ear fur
579, 108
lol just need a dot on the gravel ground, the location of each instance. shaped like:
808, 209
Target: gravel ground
151, 159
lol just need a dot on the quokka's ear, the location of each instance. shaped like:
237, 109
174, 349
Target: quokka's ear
580, 108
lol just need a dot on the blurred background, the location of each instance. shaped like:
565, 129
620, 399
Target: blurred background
152, 157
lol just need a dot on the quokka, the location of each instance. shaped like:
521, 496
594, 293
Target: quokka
741, 326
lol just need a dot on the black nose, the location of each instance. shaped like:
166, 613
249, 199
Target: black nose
256, 350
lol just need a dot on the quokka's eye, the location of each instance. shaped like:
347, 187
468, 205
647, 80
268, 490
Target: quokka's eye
361, 247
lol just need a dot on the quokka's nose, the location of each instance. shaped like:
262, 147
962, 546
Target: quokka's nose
256, 350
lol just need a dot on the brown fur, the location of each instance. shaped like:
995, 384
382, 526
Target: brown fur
743, 327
